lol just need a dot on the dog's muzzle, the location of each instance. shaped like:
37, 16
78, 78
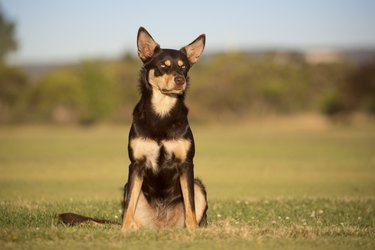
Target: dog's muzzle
179, 80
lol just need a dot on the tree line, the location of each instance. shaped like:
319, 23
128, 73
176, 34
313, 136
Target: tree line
228, 84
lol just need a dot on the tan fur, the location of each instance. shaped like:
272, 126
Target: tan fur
167, 63
161, 103
129, 222
190, 219
180, 63
194, 50
178, 148
146, 148
149, 149
200, 202
144, 213
163, 82
160, 216
146, 46
167, 217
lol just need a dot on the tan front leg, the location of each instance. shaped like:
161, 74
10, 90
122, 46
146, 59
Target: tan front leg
190, 220
135, 189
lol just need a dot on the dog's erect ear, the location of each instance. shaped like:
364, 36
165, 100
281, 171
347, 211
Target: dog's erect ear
194, 49
146, 45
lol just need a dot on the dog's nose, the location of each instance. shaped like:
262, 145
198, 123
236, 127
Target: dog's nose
179, 80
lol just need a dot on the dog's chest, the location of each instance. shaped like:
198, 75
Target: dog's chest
152, 152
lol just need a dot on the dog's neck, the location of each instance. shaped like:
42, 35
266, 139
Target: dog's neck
161, 103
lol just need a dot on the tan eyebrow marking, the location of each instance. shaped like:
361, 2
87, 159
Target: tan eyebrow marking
167, 62
180, 63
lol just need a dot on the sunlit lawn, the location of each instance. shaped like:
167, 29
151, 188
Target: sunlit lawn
268, 186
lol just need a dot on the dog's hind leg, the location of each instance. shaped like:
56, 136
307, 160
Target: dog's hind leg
200, 200
144, 215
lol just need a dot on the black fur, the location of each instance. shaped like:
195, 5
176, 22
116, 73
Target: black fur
71, 219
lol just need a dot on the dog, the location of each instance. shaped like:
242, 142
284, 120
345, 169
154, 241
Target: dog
161, 191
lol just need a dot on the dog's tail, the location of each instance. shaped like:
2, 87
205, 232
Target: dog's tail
74, 219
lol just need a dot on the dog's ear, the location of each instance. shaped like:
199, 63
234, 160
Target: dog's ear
194, 49
146, 45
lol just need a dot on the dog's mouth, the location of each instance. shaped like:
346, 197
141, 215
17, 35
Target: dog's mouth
177, 87
174, 91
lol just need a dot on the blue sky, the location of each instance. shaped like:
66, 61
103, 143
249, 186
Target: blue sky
69, 30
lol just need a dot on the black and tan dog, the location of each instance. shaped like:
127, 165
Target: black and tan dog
161, 191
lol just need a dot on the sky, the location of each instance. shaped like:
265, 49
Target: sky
67, 31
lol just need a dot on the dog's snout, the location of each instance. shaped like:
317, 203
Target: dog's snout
179, 80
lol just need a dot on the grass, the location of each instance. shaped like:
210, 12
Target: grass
270, 186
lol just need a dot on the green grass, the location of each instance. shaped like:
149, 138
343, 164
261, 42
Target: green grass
269, 187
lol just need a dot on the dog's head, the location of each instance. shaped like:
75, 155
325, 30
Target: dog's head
167, 69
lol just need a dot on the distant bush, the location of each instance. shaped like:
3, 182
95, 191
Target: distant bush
58, 96
273, 83
86, 94
332, 104
222, 85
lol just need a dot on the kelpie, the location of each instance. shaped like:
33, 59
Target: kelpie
161, 191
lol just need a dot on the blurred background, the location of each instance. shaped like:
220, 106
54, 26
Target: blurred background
74, 62
282, 101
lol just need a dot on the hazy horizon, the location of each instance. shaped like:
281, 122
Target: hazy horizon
69, 31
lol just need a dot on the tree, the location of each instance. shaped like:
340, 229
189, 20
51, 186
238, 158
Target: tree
59, 96
8, 42
12, 80
13, 83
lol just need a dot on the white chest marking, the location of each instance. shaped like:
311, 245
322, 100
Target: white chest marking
144, 148
161, 103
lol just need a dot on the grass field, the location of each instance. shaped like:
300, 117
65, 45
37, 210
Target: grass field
270, 186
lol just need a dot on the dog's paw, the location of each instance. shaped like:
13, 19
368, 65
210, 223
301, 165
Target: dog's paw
129, 227
191, 224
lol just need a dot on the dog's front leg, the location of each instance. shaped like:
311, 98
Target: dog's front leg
135, 181
187, 188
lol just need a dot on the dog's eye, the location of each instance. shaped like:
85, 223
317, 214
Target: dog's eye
163, 66
182, 66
